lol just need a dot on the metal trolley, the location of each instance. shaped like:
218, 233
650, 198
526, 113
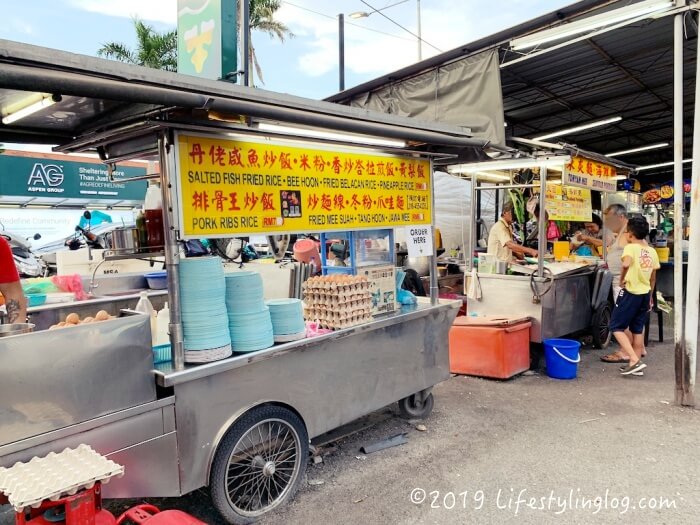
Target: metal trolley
241, 425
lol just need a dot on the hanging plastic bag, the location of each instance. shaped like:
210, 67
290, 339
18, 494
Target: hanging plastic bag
70, 283
474, 291
553, 232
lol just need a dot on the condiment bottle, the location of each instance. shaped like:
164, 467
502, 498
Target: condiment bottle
141, 229
153, 207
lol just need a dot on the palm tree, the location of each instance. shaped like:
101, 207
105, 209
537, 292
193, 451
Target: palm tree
262, 18
153, 49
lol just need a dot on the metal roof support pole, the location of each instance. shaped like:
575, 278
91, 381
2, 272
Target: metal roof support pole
541, 224
692, 301
682, 359
434, 284
172, 255
469, 249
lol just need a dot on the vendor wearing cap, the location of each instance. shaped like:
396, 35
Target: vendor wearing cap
501, 243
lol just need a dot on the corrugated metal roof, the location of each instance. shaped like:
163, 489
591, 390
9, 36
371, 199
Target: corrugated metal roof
627, 72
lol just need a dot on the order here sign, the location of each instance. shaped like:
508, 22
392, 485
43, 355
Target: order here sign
231, 187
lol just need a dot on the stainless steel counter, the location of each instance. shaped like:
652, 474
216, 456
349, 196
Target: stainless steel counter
166, 376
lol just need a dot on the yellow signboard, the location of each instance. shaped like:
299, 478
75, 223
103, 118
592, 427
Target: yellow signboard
230, 187
590, 174
564, 203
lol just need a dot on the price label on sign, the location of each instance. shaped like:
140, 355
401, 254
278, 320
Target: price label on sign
419, 241
230, 187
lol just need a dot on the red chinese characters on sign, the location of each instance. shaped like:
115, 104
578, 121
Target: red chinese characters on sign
336, 165
367, 202
253, 158
219, 200
217, 153
269, 159
200, 201
319, 164
355, 202
250, 201
233, 199
304, 162
339, 202
285, 161
268, 203
234, 157
196, 153
326, 202
400, 202
312, 201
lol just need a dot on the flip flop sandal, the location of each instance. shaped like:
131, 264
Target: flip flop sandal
612, 359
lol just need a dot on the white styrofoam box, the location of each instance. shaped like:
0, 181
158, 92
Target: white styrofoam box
70, 262
382, 285
55, 476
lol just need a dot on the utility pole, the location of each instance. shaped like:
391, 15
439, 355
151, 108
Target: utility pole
341, 52
245, 52
420, 36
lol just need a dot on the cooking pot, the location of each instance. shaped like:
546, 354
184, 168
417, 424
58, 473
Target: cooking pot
125, 239
420, 264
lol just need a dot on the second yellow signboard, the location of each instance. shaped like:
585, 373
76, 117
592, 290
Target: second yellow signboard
229, 187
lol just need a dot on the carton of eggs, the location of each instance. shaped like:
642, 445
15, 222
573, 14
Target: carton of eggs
337, 301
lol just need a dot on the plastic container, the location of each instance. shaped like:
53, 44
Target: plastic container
305, 250
487, 263
561, 250
35, 299
157, 280
163, 327
145, 307
498, 352
664, 254
162, 354
562, 358
153, 211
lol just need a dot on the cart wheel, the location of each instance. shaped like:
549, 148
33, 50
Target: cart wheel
412, 408
259, 464
600, 326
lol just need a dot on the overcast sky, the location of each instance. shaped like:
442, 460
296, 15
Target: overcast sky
306, 65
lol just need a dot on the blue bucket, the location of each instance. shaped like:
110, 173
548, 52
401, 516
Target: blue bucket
562, 358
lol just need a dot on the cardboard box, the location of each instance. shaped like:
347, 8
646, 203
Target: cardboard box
382, 285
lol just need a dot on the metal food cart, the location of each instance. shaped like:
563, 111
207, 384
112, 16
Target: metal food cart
179, 427
560, 300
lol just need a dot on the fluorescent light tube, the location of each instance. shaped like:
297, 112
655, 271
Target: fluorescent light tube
592, 23
661, 165
509, 164
329, 135
582, 127
637, 150
28, 110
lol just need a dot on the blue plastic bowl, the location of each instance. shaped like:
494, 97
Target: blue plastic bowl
157, 280
36, 299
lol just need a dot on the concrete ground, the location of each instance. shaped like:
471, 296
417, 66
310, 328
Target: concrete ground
529, 450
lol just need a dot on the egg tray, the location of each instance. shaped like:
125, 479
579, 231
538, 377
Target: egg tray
55, 476
348, 323
313, 314
346, 308
336, 283
341, 297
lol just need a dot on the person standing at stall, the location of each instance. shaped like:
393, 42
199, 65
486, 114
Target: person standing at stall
501, 243
639, 265
616, 221
10, 287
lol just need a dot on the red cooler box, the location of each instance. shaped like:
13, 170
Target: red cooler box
495, 347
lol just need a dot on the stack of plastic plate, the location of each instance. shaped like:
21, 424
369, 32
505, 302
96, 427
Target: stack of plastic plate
249, 320
287, 319
244, 292
203, 304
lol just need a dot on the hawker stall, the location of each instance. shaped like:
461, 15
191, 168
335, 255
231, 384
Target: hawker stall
561, 293
249, 381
